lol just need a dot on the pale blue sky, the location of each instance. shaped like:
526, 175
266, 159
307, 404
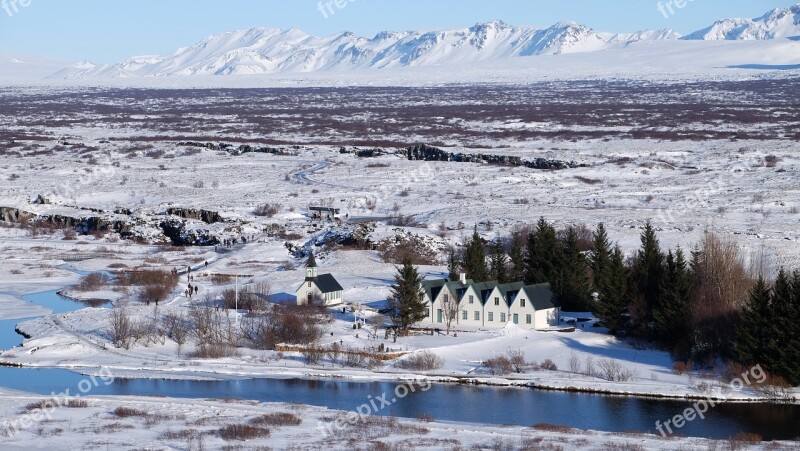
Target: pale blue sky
106, 31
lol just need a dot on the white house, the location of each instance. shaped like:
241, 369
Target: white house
489, 304
320, 289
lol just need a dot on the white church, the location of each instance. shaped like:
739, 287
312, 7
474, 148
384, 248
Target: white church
319, 289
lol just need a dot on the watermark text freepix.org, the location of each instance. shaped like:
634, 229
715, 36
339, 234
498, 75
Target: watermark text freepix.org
328, 8
372, 407
669, 7
755, 375
45, 409
12, 7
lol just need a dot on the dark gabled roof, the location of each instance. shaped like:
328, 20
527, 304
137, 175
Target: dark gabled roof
542, 296
433, 287
327, 283
510, 291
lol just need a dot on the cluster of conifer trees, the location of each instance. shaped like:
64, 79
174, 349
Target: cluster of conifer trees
705, 306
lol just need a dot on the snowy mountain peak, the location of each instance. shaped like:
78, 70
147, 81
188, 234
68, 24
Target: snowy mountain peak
778, 23
267, 50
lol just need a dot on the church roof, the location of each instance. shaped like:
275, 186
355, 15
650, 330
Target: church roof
327, 283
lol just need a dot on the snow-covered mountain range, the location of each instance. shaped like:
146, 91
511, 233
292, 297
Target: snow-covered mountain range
778, 23
261, 51
272, 51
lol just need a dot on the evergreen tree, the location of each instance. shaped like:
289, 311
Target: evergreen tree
572, 285
542, 254
646, 281
499, 262
600, 258
781, 355
672, 318
406, 299
517, 259
752, 342
474, 263
453, 265
613, 298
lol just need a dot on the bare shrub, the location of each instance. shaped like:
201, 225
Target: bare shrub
127, 412
120, 328
176, 327
587, 180
553, 428
411, 248
222, 279
93, 282
517, 359
499, 365
614, 446
574, 364
153, 284
421, 361
243, 432
681, 368
333, 352
611, 370
548, 365
285, 324
215, 351
747, 437
771, 161
722, 284
313, 354
268, 210
76, 404
277, 419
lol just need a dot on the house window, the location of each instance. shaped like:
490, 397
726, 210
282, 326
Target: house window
491, 316
428, 313
464, 315
445, 299
471, 299
502, 317
527, 319
477, 315
522, 302
309, 284
496, 301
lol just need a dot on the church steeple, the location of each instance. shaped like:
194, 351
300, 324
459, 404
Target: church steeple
311, 267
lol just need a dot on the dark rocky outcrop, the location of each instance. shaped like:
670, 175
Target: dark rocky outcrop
362, 153
176, 231
11, 214
41, 200
91, 224
209, 217
242, 149
424, 152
